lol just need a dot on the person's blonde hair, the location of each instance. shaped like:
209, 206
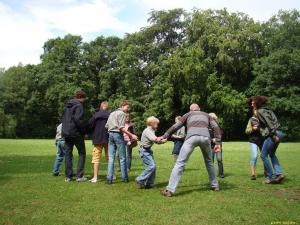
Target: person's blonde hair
151, 119
103, 104
213, 116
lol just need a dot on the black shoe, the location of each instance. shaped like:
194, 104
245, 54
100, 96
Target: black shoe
222, 176
55, 174
253, 177
109, 182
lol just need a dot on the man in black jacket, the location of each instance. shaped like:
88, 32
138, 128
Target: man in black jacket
73, 130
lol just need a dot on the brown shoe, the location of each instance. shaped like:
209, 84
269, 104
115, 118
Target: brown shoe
140, 185
167, 193
280, 178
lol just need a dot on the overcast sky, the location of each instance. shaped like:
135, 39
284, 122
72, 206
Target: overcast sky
26, 24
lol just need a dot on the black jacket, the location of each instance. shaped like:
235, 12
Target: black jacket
97, 124
73, 124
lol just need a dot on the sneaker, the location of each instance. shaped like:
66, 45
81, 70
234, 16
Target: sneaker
167, 193
82, 179
140, 185
150, 186
222, 176
279, 178
268, 181
93, 180
215, 188
253, 177
68, 179
109, 182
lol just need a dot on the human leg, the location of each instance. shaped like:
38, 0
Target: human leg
179, 166
80, 145
148, 175
207, 155
112, 149
69, 158
253, 160
60, 154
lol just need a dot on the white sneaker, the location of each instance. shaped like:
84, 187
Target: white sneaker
82, 179
94, 180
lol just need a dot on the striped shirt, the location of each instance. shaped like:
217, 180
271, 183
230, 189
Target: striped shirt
197, 123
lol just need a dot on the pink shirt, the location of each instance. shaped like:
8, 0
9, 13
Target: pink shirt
126, 137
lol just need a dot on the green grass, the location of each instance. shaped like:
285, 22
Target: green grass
30, 195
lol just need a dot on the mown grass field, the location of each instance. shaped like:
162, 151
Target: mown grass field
30, 195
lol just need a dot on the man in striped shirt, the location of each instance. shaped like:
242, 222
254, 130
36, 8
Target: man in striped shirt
197, 124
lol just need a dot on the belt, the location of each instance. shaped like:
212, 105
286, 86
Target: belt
145, 148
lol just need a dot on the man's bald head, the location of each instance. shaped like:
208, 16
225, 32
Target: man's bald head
194, 107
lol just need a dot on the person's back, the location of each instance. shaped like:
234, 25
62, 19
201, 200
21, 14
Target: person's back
197, 123
73, 124
100, 134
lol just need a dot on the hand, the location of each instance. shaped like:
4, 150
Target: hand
276, 139
134, 137
217, 148
164, 140
159, 139
213, 140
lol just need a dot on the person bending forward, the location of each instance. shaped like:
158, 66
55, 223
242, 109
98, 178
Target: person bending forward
197, 123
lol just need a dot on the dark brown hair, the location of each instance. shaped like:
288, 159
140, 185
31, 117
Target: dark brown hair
260, 101
123, 103
79, 94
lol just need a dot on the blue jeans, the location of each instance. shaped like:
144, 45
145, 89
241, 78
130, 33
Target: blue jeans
129, 156
268, 150
254, 153
177, 146
60, 154
147, 177
116, 142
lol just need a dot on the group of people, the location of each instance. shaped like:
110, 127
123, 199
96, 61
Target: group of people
265, 135
115, 134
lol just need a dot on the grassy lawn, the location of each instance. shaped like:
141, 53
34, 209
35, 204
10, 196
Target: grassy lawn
30, 195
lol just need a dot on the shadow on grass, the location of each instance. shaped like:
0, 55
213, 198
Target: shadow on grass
204, 188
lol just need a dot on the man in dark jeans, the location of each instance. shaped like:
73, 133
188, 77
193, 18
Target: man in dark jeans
73, 130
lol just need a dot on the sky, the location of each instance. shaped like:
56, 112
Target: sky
27, 24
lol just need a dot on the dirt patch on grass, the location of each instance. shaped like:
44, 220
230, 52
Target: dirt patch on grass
285, 193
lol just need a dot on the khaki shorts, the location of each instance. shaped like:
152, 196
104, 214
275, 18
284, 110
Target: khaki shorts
97, 152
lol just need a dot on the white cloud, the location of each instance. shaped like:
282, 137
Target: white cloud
27, 25
25, 31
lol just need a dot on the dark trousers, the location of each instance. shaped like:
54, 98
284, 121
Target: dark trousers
69, 144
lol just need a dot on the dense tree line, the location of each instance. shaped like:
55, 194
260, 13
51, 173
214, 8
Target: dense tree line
212, 57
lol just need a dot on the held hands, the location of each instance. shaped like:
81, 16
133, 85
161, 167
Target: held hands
134, 137
276, 139
161, 140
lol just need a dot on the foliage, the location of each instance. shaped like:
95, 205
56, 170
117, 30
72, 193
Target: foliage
211, 57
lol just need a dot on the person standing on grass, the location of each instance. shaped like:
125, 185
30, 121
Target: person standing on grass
129, 143
116, 128
99, 137
197, 123
147, 177
73, 130
215, 150
178, 138
60, 153
255, 140
272, 134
